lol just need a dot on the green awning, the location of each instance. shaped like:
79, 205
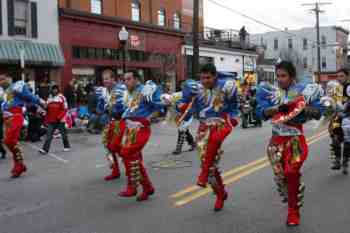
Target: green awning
35, 53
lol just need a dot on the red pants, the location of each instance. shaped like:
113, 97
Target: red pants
113, 135
134, 139
287, 155
13, 126
209, 140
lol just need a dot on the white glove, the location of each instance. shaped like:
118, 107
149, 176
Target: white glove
312, 92
166, 99
148, 90
42, 103
229, 88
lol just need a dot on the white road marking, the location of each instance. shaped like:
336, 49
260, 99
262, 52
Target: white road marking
101, 165
58, 158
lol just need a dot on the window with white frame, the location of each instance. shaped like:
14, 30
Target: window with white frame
305, 62
324, 41
290, 43
305, 44
136, 11
96, 6
161, 17
275, 44
324, 63
21, 17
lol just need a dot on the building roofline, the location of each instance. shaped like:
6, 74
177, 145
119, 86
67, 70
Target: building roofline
304, 28
116, 21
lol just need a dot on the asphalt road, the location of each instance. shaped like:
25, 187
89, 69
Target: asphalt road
66, 193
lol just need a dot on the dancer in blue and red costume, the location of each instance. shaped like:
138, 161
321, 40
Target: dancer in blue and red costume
135, 105
215, 102
105, 103
113, 133
289, 107
16, 97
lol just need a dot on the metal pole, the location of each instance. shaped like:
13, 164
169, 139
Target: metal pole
318, 42
317, 11
243, 69
124, 58
195, 61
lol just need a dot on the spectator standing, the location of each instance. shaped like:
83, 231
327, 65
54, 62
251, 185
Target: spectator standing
44, 89
2, 93
56, 112
70, 96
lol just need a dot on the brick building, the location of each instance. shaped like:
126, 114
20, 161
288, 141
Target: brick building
89, 37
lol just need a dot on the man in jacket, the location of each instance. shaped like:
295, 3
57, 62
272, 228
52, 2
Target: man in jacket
56, 112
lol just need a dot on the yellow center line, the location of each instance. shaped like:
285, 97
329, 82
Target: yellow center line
238, 176
226, 174
236, 170
228, 181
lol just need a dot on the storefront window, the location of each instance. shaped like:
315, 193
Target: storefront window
107, 54
83, 53
76, 52
138, 56
91, 53
115, 54
99, 53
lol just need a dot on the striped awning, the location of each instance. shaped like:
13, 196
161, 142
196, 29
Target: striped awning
34, 53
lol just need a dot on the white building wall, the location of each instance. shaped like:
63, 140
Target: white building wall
297, 35
47, 22
224, 60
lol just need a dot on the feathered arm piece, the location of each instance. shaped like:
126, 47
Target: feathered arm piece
118, 104
268, 98
190, 91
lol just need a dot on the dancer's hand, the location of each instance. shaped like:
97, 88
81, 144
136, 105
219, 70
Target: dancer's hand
42, 103
284, 108
269, 112
148, 90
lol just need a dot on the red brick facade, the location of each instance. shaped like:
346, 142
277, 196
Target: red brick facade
79, 29
149, 9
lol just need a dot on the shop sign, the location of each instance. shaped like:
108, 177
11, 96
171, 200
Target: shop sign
136, 41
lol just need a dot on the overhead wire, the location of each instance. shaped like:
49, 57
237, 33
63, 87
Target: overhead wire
258, 21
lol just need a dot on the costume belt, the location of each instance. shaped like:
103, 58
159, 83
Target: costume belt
213, 121
130, 124
16, 111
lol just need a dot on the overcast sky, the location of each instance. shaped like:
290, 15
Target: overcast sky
279, 13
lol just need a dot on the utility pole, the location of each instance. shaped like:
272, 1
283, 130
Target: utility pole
347, 43
195, 43
317, 11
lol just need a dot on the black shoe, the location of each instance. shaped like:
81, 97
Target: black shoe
43, 152
284, 200
177, 152
193, 147
336, 166
3, 156
345, 170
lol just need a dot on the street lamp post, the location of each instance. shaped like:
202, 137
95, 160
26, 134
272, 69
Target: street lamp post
123, 38
22, 62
